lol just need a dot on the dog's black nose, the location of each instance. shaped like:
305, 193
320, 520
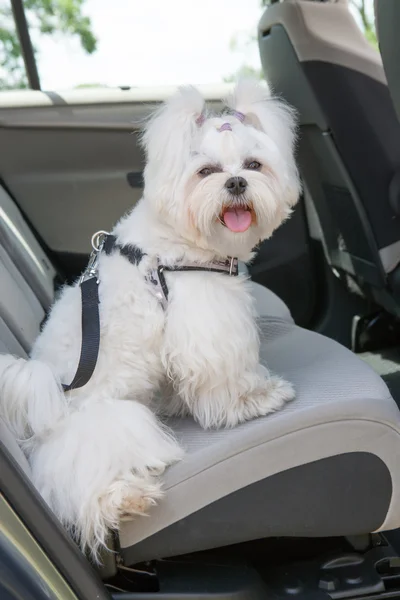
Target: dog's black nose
236, 185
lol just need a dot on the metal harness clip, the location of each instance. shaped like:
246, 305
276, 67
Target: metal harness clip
98, 240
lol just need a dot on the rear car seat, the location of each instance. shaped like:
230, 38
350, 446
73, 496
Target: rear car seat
27, 281
387, 15
326, 465
266, 302
316, 57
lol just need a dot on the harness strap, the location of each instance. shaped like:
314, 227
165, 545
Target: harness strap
230, 266
133, 253
90, 334
90, 297
90, 320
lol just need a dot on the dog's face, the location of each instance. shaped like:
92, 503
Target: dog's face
223, 183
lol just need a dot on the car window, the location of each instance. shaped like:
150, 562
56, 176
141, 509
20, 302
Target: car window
118, 43
135, 43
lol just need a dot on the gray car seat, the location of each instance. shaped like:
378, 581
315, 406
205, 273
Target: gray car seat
387, 18
317, 58
326, 465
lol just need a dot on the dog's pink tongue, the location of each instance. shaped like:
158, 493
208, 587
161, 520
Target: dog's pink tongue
237, 219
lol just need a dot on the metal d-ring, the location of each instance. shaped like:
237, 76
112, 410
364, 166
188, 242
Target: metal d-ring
97, 239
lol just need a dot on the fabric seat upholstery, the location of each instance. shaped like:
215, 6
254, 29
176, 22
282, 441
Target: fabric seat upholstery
333, 447
269, 304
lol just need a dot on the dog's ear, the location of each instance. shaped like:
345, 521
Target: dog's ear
171, 128
253, 103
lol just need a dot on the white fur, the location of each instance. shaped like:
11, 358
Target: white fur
96, 452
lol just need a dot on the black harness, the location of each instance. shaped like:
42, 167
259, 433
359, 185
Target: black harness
89, 286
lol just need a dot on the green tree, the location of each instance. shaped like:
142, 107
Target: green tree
365, 11
45, 17
244, 71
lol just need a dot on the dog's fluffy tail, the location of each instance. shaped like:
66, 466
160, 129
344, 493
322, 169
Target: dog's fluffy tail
100, 466
31, 398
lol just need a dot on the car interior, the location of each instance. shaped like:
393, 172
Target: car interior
305, 502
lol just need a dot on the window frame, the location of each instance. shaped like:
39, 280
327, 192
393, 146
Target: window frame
28, 54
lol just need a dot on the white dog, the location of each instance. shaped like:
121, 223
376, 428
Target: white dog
215, 186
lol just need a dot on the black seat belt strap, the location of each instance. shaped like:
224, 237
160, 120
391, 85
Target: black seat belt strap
90, 334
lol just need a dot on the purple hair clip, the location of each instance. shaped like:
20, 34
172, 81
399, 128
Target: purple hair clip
239, 115
200, 119
225, 127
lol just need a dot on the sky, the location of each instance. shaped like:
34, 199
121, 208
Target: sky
155, 42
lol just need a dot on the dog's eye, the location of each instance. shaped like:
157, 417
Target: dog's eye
206, 171
254, 165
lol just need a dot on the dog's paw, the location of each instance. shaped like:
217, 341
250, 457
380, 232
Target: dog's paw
138, 502
127, 498
256, 395
277, 392
124, 499
269, 396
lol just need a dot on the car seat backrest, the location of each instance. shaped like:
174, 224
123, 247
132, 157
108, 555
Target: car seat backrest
325, 32
26, 292
20, 309
24, 250
27, 280
317, 58
387, 19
